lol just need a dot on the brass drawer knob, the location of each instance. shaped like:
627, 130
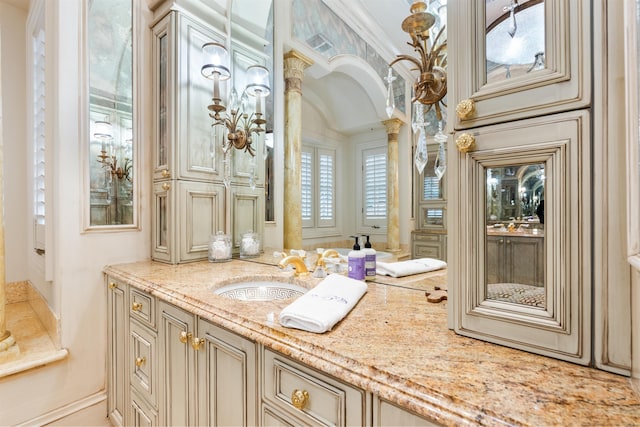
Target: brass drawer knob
140, 361
465, 142
299, 398
465, 109
185, 336
136, 306
113, 285
166, 186
196, 343
165, 173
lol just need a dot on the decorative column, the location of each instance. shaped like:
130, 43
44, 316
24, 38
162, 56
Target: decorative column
393, 199
294, 66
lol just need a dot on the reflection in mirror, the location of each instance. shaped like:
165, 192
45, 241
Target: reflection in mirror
111, 140
515, 246
515, 38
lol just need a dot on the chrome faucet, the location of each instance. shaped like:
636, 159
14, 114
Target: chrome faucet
297, 262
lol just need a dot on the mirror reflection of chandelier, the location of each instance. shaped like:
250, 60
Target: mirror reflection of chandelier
104, 133
236, 116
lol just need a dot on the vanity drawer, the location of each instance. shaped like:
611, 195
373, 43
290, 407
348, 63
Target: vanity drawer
310, 395
142, 307
143, 369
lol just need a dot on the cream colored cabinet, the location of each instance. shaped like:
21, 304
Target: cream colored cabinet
294, 394
227, 378
552, 319
521, 152
429, 244
515, 259
186, 213
117, 351
208, 373
508, 66
429, 240
191, 200
387, 414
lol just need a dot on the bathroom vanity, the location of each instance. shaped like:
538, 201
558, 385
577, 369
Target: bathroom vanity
181, 355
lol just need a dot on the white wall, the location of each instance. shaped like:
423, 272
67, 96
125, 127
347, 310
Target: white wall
78, 291
12, 23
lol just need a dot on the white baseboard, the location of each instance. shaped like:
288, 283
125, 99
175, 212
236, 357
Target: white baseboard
88, 411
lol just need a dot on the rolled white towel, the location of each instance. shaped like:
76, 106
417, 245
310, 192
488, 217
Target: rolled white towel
407, 268
323, 306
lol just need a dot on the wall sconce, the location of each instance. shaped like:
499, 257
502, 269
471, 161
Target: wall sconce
103, 132
237, 119
430, 87
431, 84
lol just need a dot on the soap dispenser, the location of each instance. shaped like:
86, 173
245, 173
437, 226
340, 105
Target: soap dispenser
356, 261
369, 260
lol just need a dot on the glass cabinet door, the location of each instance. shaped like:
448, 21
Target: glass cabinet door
518, 58
521, 272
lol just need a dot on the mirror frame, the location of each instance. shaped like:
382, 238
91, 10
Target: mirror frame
84, 125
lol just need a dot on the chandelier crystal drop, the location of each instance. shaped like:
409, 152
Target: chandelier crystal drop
441, 159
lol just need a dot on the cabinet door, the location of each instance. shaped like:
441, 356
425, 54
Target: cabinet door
227, 391
141, 414
512, 65
143, 365
163, 97
247, 212
552, 317
117, 333
197, 143
177, 361
200, 215
163, 222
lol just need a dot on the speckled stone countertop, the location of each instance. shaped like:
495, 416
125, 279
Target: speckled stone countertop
396, 344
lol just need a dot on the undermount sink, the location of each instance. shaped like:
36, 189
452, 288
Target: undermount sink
260, 290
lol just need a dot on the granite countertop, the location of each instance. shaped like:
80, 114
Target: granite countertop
396, 344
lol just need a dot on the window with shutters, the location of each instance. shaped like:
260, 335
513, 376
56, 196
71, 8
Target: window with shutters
374, 174
318, 170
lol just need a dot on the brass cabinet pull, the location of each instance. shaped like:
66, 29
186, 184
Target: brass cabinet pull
113, 285
185, 336
196, 343
465, 142
166, 186
299, 398
165, 173
140, 361
136, 306
466, 108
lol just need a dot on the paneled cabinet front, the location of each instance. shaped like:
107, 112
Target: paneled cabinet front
294, 394
527, 285
185, 214
209, 374
197, 187
512, 60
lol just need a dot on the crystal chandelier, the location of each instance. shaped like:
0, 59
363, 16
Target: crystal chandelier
240, 122
430, 86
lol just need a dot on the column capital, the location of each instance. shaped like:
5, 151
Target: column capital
294, 65
393, 125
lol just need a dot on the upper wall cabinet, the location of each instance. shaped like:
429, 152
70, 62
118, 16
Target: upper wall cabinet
518, 59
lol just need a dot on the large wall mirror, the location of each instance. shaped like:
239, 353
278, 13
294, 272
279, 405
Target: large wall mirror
252, 31
111, 138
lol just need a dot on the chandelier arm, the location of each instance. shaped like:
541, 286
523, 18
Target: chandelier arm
406, 58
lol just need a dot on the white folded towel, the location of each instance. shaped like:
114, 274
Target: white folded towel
407, 268
323, 306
